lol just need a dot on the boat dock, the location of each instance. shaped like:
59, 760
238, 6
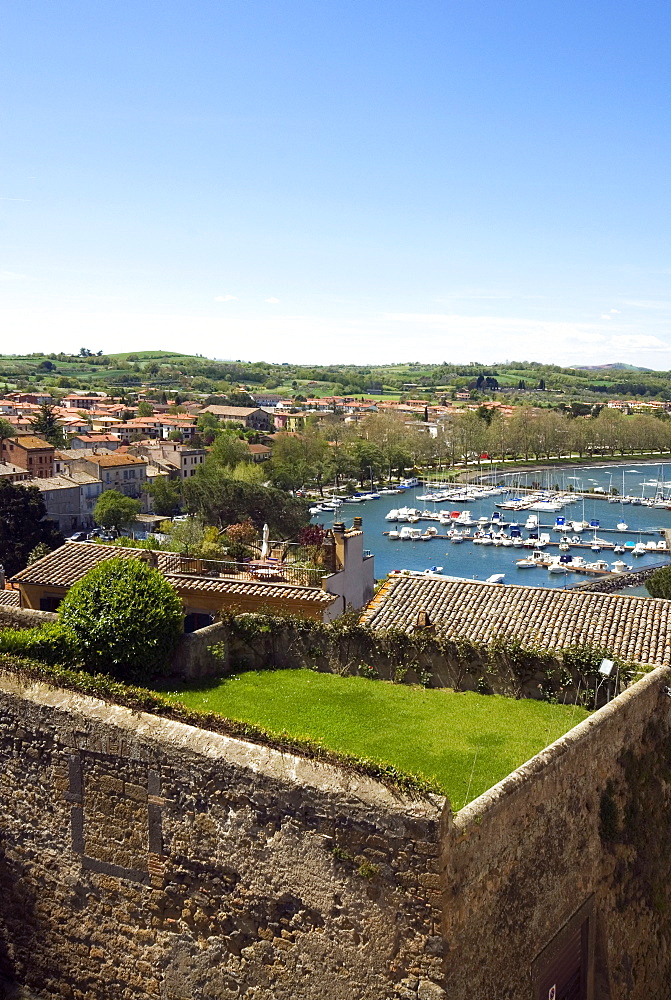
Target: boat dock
604, 546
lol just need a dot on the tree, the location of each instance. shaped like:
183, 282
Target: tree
46, 425
6, 431
125, 617
145, 409
165, 495
659, 584
228, 449
222, 501
38, 552
114, 510
23, 525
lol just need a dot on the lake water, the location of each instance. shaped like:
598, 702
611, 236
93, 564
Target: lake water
477, 562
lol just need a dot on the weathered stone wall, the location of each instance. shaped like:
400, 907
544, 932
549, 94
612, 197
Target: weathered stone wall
421, 659
141, 858
584, 826
24, 618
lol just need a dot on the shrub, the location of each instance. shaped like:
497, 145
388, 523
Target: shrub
49, 644
659, 584
126, 618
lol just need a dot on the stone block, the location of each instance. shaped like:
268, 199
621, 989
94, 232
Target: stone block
106, 784
430, 991
135, 792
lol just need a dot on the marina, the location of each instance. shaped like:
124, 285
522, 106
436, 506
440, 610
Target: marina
532, 534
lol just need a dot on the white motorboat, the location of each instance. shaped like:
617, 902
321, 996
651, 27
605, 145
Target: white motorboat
622, 526
531, 522
409, 534
465, 518
535, 559
618, 550
392, 515
620, 566
639, 549
393, 534
429, 533
556, 566
600, 565
496, 578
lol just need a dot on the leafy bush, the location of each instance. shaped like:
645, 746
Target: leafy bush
659, 584
49, 644
126, 618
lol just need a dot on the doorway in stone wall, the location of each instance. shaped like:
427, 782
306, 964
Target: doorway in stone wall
563, 970
565, 978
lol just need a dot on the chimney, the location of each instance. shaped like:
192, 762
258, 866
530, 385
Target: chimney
423, 620
357, 524
338, 532
2, 577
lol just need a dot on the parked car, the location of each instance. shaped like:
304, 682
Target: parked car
79, 536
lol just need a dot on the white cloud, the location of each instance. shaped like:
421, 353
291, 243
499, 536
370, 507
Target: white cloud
225, 298
605, 316
615, 312
638, 342
273, 302
12, 276
647, 303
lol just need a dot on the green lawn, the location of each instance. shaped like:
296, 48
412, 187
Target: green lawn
466, 742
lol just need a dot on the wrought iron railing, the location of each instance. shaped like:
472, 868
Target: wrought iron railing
258, 571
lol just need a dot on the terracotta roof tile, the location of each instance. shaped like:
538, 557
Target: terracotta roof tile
66, 565
632, 628
10, 598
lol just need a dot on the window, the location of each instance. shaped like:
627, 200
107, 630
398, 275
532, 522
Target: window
50, 602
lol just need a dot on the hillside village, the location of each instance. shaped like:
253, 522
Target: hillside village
319, 769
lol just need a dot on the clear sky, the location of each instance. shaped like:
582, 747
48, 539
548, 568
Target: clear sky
323, 181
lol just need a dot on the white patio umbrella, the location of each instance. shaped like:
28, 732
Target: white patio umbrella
265, 547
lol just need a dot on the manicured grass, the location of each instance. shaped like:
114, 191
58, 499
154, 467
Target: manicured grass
466, 742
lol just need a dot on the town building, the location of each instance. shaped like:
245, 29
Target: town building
208, 587
30, 453
125, 473
252, 417
260, 452
62, 498
174, 459
82, 441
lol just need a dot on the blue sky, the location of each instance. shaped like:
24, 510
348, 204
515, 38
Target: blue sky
333, 181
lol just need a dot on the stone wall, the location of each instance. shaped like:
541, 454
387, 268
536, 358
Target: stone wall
278, 644
581, 831
11, 617
141, 858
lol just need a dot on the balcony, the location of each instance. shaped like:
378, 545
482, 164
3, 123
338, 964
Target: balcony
255, 571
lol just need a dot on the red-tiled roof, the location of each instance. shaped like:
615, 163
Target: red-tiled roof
633, 628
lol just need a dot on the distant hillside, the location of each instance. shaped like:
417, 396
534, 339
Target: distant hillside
619, 367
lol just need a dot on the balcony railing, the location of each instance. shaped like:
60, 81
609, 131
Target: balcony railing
257, 571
